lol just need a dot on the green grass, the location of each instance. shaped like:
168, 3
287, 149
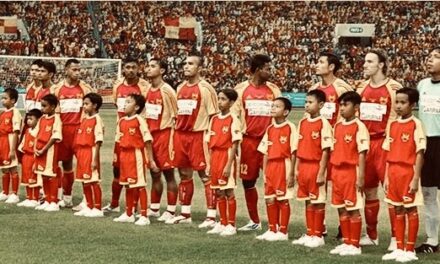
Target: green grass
28, 236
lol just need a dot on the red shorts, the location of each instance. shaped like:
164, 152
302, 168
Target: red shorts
116, 152
275, 181
344, 190
162, 148
251, 160
133, 165
219, 159
5, 159
308, 189
66, 150
27, 169
399, 178
375, 164
47, 164
189, 150
84, 172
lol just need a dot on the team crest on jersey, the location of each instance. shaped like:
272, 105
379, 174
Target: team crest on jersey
348, 138
225, 129
159, 101
383, 100
283, 139
132, 131
7, 121
79, 95
315, 134
48, 128
270, 97
62, 97
194, 96
89, 130
31, 144
331, 98
405, 137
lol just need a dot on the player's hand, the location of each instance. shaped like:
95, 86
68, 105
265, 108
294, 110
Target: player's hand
360, 184
320, 180
208, 170
227, 172
12, 156
385, 186
153, 167
291, 182
414, 186
94, 165
39, 152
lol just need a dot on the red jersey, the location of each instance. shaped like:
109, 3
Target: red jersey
132, 132
30, 98
351, 138
41, 93
122, 91
314, 135
10, 121
27, 143
223, 131
48, 127
279, 141
160, 107
71, 102
91, 131
405, 137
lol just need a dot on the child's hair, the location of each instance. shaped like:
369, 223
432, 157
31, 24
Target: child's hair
350, 96
231, 94
12, 93
51, 99
286, 102
35, 113
95, 99
413, 94
139, 101
318, 94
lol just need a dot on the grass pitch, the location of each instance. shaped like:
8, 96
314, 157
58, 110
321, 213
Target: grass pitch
28, 236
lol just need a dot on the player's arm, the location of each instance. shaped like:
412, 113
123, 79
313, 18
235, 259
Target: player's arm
237, 136
323, 166
227, 169
293, 174
99, 138
363, 145
148, 139
386, 180
327, 145
149, 148
414, 185
56, 137
361, 176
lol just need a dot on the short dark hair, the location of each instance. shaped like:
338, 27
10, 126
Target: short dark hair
231, 94
413, 94
12, 93
34, 112
382, 55
130, 60
332, 59
49, 66
197, 54
51, 99
286, 102
71, 61
258, 61
95, 99
435, 48
37, 62
318, 94
139, 101
350, 96
162, 64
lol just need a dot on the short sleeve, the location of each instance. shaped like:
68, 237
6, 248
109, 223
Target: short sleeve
362, 137
143, 127
326, 135
386, 143
293, 138
419, 136
16, 120
236, 129
57, 128
264, 144
99, 130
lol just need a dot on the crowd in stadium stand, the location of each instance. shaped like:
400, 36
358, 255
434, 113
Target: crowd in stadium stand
293, 33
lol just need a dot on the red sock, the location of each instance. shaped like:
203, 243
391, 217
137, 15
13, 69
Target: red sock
186, 191
413, 228
60, 177
35, 193
88, 193
222, 205
46, 188
232, 208
143, 200
272, 216
97, 195
68, 178
135, 198
172, 198
251, 196
284, 214
355, 229
371, 212
210, 196
129, 201
310, 213
6, 179
399, 225
344, 223
29, 193
116, 192
392, 214
155, 198
15, 182
53, 189
318, 221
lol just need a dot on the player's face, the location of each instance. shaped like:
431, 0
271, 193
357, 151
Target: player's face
88, 106
7, 101
43, 74
31, 121
312, 105
130, 107
347, 109
278, 110
433, 62
130, 70
73, 71
223, 102
322, 67
34, 72
403, 106
372, 65
46, 108
191, 67
265, 72
153, 69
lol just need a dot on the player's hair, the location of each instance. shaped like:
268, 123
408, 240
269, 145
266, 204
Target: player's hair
435, 49
332, 59
34, 112
197, 54
130, 60
70, 62
381, 54
350, 96
95, 99
258, 61
231, 94
286, 102
318, 94
49, 66
139, 100
51, 99
413, 94
162, 64
37, 62
12, 93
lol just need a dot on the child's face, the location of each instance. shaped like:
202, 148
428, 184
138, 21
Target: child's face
403, 106
312, 105
130, 107
7, 101
223, 102
46, 108
88, 106
348, 109
278, 109
31, 121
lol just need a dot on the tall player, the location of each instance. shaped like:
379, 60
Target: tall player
70, 93
253, 107
33, 87
46, 71
377, 109
161, 111
131, 83
196, 102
